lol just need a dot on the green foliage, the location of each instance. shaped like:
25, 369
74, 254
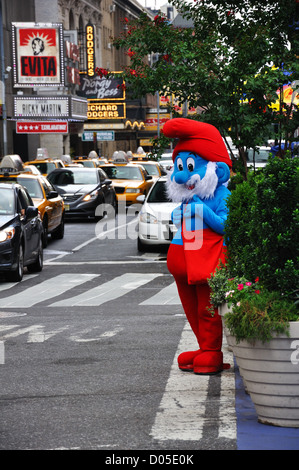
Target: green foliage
231, 290
261, 317
262, 228
238, 237
220, 64
262, 236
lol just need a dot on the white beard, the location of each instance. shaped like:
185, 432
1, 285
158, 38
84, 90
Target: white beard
204, 188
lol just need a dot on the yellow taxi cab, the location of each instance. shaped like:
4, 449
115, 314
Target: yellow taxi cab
129, 181
154, 169
46, 165
49, 203
87, 162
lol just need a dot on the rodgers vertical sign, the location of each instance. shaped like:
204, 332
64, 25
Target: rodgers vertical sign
90, 46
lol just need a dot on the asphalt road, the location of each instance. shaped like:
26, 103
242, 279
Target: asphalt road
88, 358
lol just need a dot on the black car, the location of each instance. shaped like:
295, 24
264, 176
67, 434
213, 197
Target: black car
87, 192
21, 233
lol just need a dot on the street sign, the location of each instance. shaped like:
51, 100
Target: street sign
88, 136
42, 127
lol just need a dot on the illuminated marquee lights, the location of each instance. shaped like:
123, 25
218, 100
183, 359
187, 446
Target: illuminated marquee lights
90, 50
32, 67
98, 110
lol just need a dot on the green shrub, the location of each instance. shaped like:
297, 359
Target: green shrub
260, 317
262, 228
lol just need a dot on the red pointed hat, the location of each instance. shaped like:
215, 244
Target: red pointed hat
197, 137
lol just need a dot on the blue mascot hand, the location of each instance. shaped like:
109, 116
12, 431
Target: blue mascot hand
177, 216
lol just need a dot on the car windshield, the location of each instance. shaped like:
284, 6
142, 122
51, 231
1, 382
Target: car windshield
158, 193
151, 169
110, 171
7, 206
33, 187
127, 173
44, 167
77, 177
88, 163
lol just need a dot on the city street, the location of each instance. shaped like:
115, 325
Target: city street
90, 347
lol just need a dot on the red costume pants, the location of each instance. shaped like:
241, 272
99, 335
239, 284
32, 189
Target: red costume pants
206, 326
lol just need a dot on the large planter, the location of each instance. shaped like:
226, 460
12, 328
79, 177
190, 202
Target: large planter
222, 310
270, 372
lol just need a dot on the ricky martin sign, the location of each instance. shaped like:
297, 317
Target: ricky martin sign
37, 54
60, 107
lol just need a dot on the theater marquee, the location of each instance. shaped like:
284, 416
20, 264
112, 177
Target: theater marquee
98, 110
38, 54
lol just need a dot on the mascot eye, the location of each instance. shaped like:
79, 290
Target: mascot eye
180, 164
190, 164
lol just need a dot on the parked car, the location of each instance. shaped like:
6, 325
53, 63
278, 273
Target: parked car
21, 233
87, 162
83, 190
155, 224
154, 169
166, 161
259, 157
44, 196
129, 181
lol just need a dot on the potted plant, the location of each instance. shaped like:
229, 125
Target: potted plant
259, 284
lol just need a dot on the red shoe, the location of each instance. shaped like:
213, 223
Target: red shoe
185, 359
209, 363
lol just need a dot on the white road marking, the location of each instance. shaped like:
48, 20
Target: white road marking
167, 296
2, 353
111, 290
106, 334
181, 415
45, 290
38, 335
8, 285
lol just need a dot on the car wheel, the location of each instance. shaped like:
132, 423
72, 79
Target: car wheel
45, 232
100, 212
38, 265
140, 245
58, 234
17, 274
115, 207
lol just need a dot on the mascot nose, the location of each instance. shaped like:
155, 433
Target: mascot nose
182, 177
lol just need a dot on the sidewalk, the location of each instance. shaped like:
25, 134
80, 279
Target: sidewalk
252, 435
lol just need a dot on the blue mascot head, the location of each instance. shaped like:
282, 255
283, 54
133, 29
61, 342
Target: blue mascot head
201, 160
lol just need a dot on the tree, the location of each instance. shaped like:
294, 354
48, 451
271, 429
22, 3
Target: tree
229, 64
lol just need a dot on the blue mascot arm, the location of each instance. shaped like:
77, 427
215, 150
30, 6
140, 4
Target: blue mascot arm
215, 217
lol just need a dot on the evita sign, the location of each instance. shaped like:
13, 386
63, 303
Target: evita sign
38, 54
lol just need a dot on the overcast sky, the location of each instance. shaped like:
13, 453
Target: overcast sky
155, 4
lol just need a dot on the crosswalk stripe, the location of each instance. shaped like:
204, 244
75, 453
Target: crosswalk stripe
182, 411
110, 290
9, 285
167, 296
45, 290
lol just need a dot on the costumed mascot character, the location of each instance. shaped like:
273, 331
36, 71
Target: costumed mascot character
201, 167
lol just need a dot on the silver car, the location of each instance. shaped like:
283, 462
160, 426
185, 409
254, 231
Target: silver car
155, 226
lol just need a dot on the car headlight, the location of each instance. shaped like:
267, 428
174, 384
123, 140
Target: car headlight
7, 234
90, 196
147, 218
132, 190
